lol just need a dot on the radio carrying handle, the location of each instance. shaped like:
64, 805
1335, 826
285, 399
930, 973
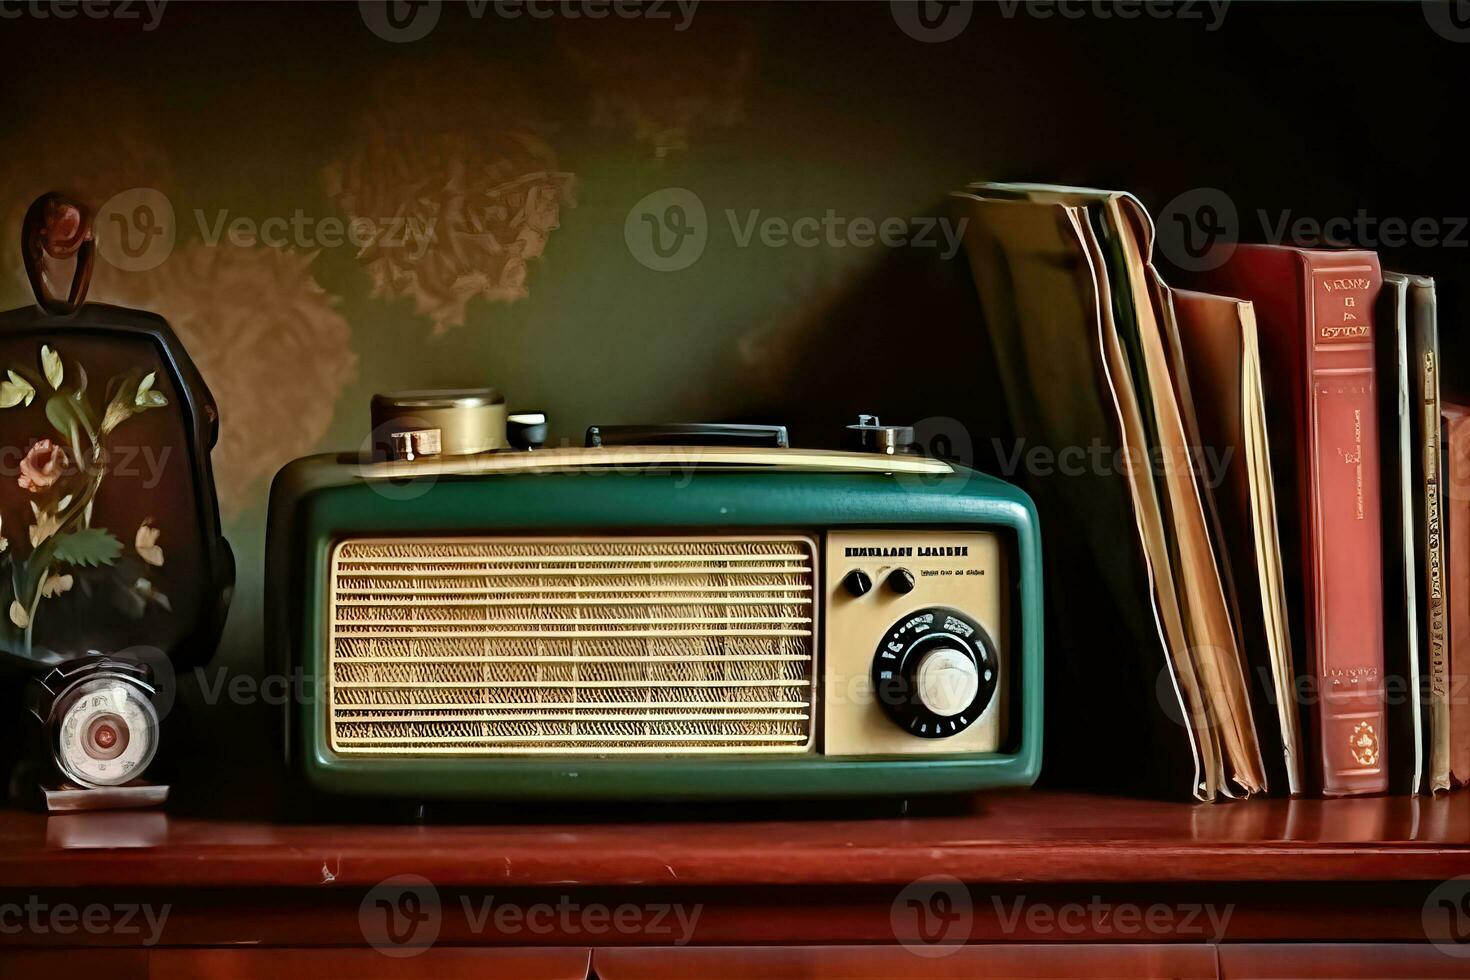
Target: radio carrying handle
689, 434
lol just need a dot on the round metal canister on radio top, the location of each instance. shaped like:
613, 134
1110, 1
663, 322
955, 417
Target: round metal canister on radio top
448, 422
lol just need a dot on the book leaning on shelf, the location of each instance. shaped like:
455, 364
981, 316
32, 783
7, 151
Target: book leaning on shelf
1248, 622
1088, 344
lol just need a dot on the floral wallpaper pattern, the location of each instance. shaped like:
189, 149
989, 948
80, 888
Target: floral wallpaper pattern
267, 338
459, 190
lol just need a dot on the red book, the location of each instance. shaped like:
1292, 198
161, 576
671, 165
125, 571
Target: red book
1314, 312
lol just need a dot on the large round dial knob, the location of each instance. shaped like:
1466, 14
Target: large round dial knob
935, 671
947, 681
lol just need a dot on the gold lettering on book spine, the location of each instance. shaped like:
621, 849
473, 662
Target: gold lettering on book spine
1354, 458
1439, 674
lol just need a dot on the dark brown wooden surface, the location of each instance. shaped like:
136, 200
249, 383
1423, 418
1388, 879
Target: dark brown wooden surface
1077, 962
1048, 884
1020, 837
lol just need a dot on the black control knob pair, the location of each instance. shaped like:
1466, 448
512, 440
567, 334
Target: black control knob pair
860, 583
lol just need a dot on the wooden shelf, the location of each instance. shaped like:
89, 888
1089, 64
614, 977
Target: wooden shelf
1012, 837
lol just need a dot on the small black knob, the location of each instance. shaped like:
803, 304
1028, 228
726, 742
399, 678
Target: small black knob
901, 580
858, 582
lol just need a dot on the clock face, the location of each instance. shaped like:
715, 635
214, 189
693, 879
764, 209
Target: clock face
109, 733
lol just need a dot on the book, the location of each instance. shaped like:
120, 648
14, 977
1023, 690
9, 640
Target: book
1042, 301
1404, 679
1145, 320
1455, 438
1315, 312
1222, 360
1119, 328
1425, 463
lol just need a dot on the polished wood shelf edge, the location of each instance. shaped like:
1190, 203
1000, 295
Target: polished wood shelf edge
1012, 838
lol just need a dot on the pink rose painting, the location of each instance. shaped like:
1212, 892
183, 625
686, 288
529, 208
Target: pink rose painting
42, 466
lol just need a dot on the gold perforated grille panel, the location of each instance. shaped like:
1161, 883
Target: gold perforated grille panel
527, 646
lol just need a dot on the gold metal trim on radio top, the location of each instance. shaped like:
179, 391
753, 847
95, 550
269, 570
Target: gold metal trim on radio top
580, 457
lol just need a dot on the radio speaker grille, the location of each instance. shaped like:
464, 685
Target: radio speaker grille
608, 646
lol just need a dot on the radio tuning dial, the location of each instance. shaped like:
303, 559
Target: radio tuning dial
935, 671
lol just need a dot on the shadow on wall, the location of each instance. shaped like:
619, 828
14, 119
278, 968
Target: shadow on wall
900, 339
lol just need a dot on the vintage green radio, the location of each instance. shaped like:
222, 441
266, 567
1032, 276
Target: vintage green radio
687, 611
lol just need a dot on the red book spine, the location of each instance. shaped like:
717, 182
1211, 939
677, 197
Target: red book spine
1343, 544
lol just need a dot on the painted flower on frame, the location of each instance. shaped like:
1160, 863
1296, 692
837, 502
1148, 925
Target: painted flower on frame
42, 466
62, 474
55, 585
145, 543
